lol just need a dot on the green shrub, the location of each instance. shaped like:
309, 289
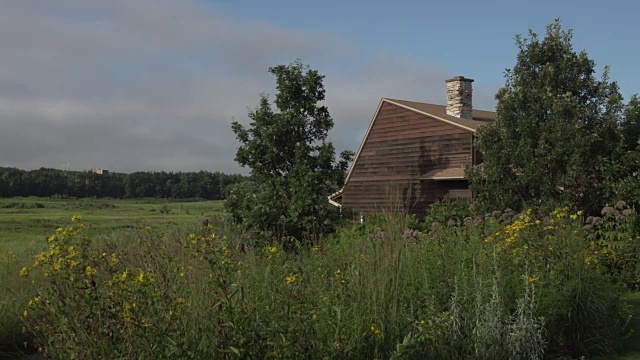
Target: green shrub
22, 205
617, 233
447, 213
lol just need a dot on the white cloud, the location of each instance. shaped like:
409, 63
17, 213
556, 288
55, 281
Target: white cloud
153, 85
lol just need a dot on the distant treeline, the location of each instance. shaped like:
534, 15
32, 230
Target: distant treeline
46, 182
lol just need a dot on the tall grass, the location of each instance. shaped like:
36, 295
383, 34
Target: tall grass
527, 288
13, 297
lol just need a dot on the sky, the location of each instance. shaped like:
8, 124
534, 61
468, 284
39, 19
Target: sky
152, 85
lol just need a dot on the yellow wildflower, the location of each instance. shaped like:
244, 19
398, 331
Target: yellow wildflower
140, 278
57, 266
144, 277
72, 251
113, 260
375, 329
560, 213
193, 238
90, 271
76, 218
291, 279
24, 271
272, 249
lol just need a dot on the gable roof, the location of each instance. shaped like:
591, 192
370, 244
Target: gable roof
438, 112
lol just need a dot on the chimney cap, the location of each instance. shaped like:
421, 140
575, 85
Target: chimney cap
459, 78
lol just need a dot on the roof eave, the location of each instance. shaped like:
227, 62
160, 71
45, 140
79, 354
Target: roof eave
332, 198
443, 178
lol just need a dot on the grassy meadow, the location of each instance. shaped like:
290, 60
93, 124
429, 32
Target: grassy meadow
144, 279
25, 223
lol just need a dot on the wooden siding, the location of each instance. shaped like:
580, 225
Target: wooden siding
401, 146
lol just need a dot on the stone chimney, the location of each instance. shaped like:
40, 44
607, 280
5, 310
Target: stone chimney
459, 93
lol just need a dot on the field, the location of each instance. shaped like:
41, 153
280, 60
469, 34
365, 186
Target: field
26, 221
143, 279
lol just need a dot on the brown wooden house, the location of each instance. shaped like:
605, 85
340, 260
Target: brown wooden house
414, 154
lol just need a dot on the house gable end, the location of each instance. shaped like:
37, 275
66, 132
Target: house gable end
396, 161
413, 130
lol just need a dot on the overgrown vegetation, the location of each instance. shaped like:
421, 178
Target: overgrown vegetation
486, 288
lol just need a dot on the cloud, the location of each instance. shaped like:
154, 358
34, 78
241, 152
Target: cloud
153, 85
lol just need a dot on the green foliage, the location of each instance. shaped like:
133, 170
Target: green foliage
81, 184
95, 304
164, 209
617, 233
583, 312
21, 205
555, 131
24, 227
13, 296
293, 166
623, 181
631, 123
447, 213
498, 287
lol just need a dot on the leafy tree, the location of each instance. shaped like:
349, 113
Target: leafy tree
555, 132
293, 166
624, 175
631, 123
52, 182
